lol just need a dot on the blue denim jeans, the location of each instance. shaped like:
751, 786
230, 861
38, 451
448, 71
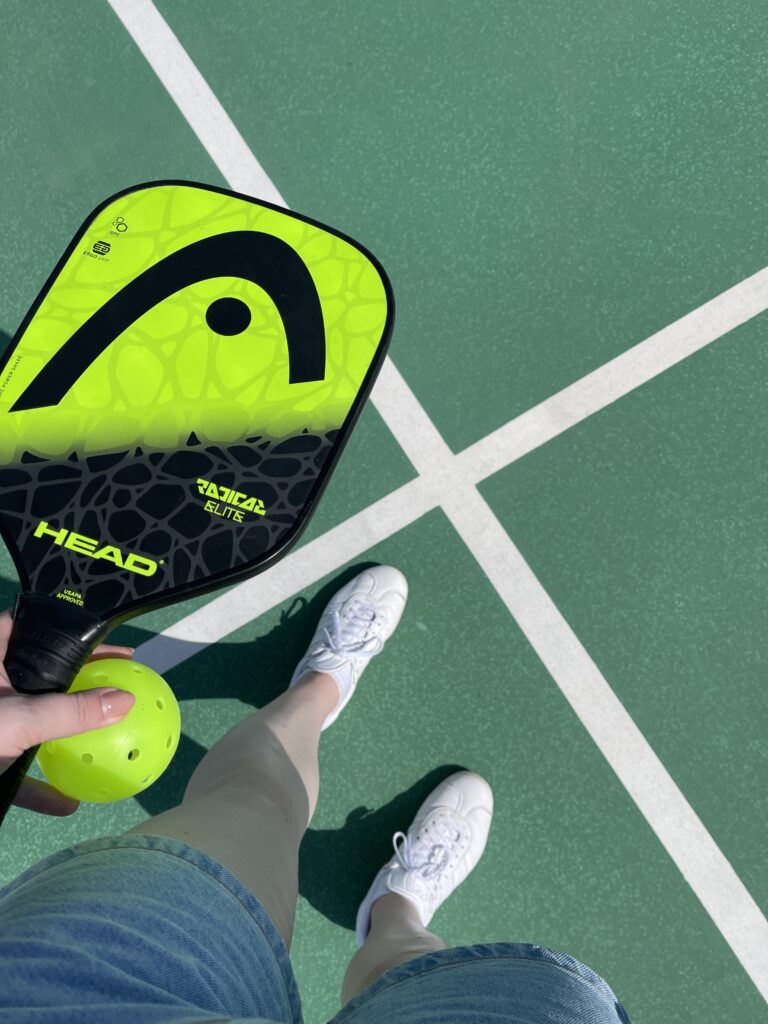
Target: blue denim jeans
144, 929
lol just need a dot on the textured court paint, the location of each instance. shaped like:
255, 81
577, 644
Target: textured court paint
699, 859
646, 524
613, 380
711, 878
201, 109
545, 181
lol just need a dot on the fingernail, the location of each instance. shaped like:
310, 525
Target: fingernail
116, 703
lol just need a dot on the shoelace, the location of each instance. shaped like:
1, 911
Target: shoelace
347, 636
428, 859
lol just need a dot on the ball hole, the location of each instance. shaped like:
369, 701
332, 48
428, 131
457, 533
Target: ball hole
133, 754
137, 668
101, 677
160, 704
168, 742
102, 792
146, 780
87, 758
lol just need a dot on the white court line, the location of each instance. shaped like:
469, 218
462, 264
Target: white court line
618, 377
195, 99
450, 480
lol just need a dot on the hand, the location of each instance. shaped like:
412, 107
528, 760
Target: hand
27, 720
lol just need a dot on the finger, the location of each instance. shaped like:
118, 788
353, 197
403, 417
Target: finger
6, 625
52, 716
108, 651
39, 796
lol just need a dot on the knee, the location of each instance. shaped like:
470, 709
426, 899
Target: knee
371, 961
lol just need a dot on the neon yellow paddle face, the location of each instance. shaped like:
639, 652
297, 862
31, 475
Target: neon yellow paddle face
176, 401
162, 325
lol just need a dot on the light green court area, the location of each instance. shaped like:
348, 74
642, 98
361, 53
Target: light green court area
546, 186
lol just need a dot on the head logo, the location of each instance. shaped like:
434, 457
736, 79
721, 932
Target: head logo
88, 546
266, 260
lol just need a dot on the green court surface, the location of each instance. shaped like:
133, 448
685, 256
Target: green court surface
547, 186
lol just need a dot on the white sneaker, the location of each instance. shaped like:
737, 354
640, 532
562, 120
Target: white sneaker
353, 628
444, 843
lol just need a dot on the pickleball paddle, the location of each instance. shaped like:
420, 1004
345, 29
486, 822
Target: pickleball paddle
171, 409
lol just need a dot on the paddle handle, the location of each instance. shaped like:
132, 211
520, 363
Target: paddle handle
49, 644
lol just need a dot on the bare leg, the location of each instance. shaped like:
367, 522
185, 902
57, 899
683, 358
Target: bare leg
248, 804
249, 801
396, 935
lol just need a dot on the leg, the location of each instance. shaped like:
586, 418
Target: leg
249, 801
396, 935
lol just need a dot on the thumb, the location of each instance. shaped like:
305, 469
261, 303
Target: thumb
53, 716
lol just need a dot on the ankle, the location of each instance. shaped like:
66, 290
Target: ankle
318, 687
317, 682
394, 911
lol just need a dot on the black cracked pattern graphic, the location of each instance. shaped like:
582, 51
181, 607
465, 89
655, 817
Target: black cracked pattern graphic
148, 503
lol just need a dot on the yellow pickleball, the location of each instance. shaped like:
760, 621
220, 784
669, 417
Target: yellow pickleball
120, 760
